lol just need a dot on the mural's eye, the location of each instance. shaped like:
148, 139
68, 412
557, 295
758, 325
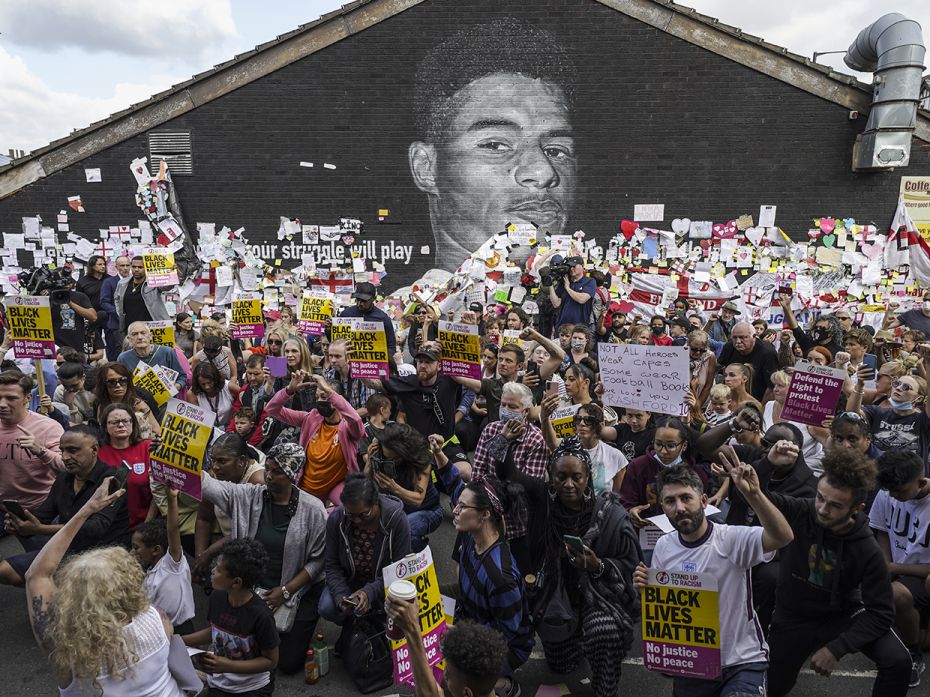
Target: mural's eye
558, 152
494, 145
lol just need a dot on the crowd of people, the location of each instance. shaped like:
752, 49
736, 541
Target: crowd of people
820, 547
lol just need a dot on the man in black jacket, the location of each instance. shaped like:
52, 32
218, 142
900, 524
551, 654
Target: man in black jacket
834, 595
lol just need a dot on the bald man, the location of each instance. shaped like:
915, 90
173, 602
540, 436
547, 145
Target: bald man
743, 347
140, 339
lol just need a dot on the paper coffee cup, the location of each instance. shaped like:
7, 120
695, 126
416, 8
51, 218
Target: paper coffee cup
399, 590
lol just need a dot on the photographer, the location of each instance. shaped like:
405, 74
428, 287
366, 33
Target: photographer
72, 312
572, 292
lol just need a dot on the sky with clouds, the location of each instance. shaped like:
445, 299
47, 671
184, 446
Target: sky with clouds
67, 63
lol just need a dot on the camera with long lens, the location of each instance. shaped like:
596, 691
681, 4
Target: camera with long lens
557, 269
57, 283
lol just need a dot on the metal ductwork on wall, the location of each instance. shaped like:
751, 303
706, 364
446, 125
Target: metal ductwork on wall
893, 49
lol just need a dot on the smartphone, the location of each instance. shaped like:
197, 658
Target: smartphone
871, 360
120, 477
574, 542
532, 367
785, 290
552, 388
15, 508
354, 602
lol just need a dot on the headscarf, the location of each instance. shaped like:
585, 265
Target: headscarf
290, 457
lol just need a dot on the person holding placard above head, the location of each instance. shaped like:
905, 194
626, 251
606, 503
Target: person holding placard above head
583, 552
834, 594
329, 434
727, 553
135, 300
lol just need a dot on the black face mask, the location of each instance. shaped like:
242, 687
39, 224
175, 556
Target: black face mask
326, 409
658, 331
821, 335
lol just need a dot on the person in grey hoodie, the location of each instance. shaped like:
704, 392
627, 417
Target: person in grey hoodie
363, 535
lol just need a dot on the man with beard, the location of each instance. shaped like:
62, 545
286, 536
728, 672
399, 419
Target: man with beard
727, 553
834, 595
493, 106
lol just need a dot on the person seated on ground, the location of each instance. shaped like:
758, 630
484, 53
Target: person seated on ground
231, 460
634, 432
593, 580
258, 388
720, 399
580, 379
379, 409
83, 474
290, 525
399, 461
244, 423
366, 533
738, 377
156, 545
128, 654
213, 393
329, 434
900, 519
771, 414
608, 464
524, 444
242, 634
490, 584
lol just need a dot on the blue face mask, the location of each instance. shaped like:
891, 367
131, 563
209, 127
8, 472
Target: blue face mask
508, 415
901, 406
676, 461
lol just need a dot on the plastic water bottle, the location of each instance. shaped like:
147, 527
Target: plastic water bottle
311, 669
321, 651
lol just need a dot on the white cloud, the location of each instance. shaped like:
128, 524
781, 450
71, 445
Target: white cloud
32, 114
168, 28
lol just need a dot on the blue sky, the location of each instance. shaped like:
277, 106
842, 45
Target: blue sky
67, 63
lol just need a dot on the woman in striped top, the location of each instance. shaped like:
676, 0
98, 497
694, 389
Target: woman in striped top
491, 586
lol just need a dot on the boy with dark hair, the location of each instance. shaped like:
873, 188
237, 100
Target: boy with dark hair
834, 596
244, 422
242, 629
900, 518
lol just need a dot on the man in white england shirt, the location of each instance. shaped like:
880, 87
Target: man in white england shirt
728, 553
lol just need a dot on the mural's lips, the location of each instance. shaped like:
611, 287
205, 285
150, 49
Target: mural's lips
539, 212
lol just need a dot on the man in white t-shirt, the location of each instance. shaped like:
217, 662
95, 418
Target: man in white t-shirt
727, 553
900, 518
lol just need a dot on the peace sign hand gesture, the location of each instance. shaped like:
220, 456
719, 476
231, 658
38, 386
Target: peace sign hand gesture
743, 476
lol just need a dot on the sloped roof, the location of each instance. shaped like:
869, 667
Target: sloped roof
677, 20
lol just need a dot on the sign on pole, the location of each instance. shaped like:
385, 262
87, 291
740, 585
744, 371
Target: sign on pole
813, 394
419, 570
681, 624
651, 378
30, 321
461, 349
177, 461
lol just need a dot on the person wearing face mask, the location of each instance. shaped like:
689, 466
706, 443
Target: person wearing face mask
827, 330
659, 336
917, 318
329, 434
523, 443
580, 345
673, 444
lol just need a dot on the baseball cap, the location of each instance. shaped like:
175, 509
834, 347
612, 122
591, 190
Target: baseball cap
364, 291
574, 261
476, 307
430, 353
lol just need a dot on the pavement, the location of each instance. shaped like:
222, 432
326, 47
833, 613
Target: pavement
26, 673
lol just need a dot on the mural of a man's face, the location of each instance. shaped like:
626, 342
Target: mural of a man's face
506, 155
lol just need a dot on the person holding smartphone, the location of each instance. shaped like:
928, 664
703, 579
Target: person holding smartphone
84, 473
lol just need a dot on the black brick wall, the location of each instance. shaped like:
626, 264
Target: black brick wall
659, 121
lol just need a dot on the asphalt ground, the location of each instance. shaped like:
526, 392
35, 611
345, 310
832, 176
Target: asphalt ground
26, 673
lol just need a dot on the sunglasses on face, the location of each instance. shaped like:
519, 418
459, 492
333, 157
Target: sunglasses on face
697, 349
853, 416
116, 382
585, 419
903, 386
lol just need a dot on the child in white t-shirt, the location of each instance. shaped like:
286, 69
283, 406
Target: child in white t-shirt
157, 546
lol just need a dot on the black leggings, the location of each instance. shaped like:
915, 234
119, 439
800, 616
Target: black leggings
792, 642
292, 653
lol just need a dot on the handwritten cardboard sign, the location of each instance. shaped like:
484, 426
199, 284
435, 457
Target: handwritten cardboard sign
651, 378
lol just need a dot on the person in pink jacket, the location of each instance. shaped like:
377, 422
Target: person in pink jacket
329, 435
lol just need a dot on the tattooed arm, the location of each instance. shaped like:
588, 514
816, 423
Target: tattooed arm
40, 586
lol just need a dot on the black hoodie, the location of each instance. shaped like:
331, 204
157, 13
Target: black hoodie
799, 482
824, 575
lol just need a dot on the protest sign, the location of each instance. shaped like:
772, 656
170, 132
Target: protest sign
461, 349
651, 378
563, 420
419, 570
343, 328
29, 318
152, 380
162, 332
369, 357
813, 394
247, 320
512, 336
177, 461
316, 308
681, 624
159, 268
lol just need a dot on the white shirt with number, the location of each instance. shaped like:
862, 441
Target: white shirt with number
907, 524
727, 552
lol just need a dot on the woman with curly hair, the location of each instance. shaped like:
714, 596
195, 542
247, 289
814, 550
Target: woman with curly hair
213, 393
108, 642
582, 599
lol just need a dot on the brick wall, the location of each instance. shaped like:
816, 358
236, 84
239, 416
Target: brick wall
658, 121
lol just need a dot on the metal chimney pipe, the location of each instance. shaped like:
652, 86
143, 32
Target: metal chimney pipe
893, 49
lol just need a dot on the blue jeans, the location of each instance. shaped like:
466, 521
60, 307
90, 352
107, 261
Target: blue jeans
742, 680
329, 610
422, 523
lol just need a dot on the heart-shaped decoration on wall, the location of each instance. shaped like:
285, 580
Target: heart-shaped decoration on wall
872, 251
680, 226
724, 231
813, 234
626, 306
755, 234
628, 228
827, 225
829, 240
